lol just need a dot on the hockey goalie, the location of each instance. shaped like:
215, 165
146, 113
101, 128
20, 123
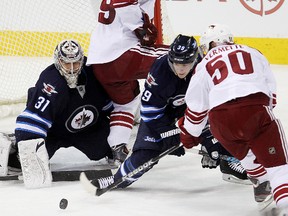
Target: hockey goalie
67, 107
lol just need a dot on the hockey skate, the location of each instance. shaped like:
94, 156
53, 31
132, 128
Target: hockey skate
262, 194
275, 212
103, 182
234, 172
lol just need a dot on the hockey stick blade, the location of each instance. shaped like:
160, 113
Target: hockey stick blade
72, 175
223, 157
86, 183
89, 187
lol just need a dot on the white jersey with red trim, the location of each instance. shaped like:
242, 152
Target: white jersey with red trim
114, 33
225, 73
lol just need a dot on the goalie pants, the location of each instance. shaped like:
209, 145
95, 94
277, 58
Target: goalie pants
93, 143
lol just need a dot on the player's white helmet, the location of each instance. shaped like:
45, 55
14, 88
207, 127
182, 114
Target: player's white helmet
217, 33
68, 59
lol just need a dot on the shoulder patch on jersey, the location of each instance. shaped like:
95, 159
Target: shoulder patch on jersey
49, 89
178, 100
150, 80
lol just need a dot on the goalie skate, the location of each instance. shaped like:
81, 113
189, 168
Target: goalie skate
234, 172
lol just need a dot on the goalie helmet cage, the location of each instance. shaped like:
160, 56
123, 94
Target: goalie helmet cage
29, 32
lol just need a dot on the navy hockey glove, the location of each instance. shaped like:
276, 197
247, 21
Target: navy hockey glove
172, 138
206, 160
147, 34
212, 147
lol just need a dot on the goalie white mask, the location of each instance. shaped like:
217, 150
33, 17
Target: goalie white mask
218, 33
68, 59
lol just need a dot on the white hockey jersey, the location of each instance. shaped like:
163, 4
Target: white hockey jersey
114, 33
225, 73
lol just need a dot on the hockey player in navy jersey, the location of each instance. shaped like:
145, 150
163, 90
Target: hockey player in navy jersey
67, 107
162, 103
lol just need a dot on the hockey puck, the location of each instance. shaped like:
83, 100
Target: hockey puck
63, 203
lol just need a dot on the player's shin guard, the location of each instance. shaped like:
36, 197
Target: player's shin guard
279, 181
34, 161
121, 122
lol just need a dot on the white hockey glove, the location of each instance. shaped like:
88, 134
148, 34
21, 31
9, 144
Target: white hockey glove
5, 147
34, 161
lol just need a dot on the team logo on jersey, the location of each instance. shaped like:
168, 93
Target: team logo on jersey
149, 139
150, 80
81, 118
49, 89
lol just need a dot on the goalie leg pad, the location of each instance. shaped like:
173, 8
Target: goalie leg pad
34, 161
5, 146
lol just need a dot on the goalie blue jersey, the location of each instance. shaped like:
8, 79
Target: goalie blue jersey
162, 101
55, 109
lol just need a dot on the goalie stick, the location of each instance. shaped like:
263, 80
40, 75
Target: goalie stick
71, 175
89, 187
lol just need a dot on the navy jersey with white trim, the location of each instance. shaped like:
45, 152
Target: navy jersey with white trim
54, 108
162, 101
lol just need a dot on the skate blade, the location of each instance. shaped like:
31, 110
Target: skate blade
263, 206
233, 179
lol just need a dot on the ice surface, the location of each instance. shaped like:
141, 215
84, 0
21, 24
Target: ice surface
175, 187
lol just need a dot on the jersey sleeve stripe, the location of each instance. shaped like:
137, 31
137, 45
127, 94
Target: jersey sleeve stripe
195, 117
121, 3
35, 117
20, 126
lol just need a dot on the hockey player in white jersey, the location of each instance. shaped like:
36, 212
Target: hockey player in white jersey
234, 86
122, 50
162, 103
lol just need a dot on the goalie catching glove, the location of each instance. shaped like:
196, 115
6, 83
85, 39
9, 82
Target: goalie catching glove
147, 34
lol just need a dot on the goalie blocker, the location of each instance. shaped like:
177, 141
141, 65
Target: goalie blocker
34, 161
